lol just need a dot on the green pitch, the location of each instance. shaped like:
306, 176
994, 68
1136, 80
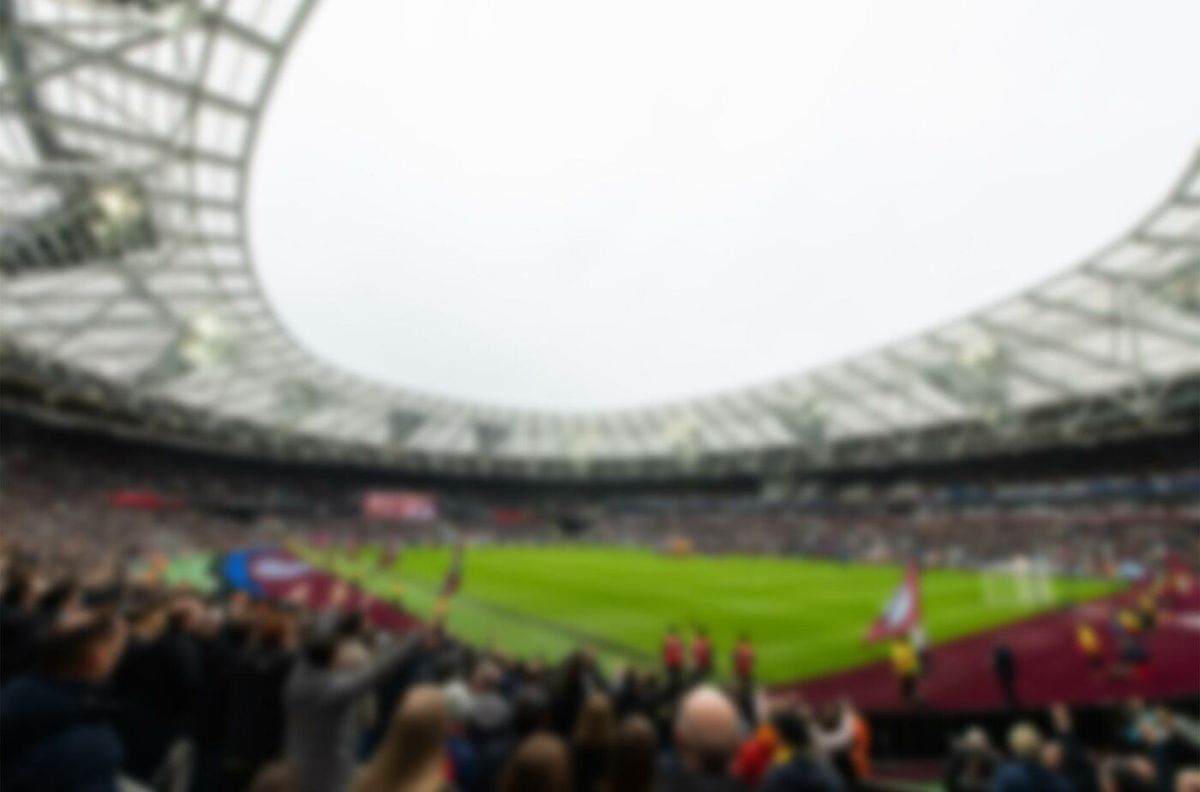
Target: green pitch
805, 617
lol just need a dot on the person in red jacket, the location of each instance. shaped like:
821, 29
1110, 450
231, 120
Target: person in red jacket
672, 657
743, 659
702, 660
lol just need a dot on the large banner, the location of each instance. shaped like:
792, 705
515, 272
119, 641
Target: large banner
399, 505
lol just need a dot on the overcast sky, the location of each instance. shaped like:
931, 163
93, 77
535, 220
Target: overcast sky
552, 203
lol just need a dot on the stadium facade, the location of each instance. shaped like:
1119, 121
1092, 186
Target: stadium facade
131, 302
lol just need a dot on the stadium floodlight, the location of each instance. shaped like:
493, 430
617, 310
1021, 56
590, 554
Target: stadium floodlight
102, 221
977, 378
204, 342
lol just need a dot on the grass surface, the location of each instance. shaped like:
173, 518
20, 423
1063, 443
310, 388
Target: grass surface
805, 617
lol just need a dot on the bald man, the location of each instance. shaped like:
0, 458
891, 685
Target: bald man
707, 734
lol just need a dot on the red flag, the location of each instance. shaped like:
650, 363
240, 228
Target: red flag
902, 611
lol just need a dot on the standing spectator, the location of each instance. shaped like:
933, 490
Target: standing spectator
707, 734
972, 763
1025, 772
592, 741
1004, 666
540, 764
412, 755
702, 654
54, 732
254, 731
320, 700
801, 772
632, 759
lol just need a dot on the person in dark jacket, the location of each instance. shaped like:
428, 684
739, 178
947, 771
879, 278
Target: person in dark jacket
1004, 665
254, 726
156, 686
1025, 771
801, 773
54, 729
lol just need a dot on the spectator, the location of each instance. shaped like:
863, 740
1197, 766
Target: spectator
591, 743
54, 733
412, 755
1025, 772
321, 737
541, 764
632, 757
972, 763
255, 727
707, 734
801, 772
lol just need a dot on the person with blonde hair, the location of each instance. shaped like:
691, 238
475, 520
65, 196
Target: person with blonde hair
412, 755
590, 746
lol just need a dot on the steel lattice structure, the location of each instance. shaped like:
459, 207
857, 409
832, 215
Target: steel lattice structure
131, 300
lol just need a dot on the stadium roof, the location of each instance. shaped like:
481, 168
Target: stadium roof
131, 298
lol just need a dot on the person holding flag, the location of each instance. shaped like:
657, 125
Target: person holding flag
452, 582
901, 616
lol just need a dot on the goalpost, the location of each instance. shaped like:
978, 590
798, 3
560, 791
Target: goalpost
1020, 580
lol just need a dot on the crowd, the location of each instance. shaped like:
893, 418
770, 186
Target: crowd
111, 682
1102, 525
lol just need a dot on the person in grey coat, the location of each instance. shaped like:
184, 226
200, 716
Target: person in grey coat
320, 701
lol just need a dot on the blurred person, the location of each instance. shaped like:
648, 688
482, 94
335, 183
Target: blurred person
702, 653
255, 726
672, 658
157, 685
1129, 774
632, 758
541, 764
1004, 667
743, 659
906, 664
275, 777
18, 624
54, 730
321, 732
707, 734
591, 742
464, 759
797, 767
412, 755
1064, 754
1091, 647
972, 763
755, 755
832, 732
1024, 772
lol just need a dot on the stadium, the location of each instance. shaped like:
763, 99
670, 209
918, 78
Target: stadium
232, 562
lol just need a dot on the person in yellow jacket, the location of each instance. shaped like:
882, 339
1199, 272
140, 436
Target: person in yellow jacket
1087, 637
907, 665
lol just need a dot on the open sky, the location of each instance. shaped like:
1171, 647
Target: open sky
567, 204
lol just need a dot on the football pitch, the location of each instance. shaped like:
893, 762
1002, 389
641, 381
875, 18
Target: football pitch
805, 617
